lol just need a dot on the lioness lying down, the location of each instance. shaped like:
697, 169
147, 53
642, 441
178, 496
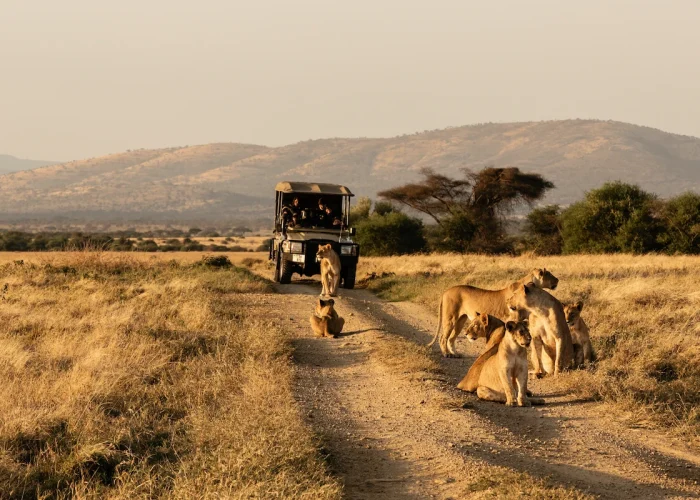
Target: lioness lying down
493, 330
325, 321
460, 304
503, 377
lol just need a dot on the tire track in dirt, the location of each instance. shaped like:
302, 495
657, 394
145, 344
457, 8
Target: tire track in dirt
391, 436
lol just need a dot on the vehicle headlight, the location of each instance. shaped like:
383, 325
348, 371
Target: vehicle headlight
293, 246
348, 250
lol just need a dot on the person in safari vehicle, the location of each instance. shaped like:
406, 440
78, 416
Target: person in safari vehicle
326, 216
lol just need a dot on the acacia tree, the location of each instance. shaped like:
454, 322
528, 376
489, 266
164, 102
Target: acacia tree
470, 211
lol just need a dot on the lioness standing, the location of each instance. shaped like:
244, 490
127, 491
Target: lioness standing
503, 377
552, 348
461, 303
325, 321
330, 269
580, 336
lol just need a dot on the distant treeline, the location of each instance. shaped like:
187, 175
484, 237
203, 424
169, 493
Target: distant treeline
19, 241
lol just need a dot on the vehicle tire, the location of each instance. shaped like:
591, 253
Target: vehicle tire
349, 278
276, 278
286, 272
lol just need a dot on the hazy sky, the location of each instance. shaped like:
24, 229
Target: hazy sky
81, 78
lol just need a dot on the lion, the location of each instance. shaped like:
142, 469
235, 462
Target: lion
503, 376
552, 347
460, 303
493, 330
325, 321
330, 269
485, 326
583, 349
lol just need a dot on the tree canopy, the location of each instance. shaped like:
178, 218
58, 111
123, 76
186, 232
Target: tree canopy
470, 211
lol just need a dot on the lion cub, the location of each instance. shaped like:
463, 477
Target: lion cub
325, 321
583, 349
503, 377
330, 269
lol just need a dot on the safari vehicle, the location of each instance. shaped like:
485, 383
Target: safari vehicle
301, 226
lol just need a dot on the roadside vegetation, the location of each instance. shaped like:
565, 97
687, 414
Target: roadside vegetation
17, 241
126, 379
642, 312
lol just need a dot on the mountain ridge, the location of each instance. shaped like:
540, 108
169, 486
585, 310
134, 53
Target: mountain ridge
10, 164
238, 179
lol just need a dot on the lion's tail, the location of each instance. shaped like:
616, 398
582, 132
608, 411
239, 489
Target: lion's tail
437, 332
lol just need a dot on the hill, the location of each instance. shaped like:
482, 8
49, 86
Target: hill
9, 164
215, 181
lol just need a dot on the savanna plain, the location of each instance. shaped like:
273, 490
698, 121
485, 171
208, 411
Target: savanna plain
134, 375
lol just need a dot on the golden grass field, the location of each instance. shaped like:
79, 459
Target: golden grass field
643, 313
151, 375
126, 376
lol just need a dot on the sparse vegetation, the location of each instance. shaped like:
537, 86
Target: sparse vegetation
127, 379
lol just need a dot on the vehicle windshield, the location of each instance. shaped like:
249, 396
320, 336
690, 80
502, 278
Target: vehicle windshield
312, 211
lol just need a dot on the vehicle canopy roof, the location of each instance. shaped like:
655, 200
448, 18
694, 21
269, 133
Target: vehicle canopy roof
312, 188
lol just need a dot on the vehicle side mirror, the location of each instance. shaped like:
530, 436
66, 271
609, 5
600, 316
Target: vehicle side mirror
353, 231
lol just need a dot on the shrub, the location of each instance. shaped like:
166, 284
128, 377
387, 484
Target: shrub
264, 246
216, 261
392, 234
147, 246
543, 231
14, 242
361, 210
614, 218
454, 234
384, 208
681, 219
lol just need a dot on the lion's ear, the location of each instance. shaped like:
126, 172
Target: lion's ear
485, 319
527, 289
321, 302
579, 305
330, 302
478, 313
510, 326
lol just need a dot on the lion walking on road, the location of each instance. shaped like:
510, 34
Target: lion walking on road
330, 270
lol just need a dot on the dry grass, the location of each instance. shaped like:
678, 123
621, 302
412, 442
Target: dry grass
127, 377
643, 312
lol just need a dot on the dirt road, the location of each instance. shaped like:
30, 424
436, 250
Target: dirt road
391, 434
